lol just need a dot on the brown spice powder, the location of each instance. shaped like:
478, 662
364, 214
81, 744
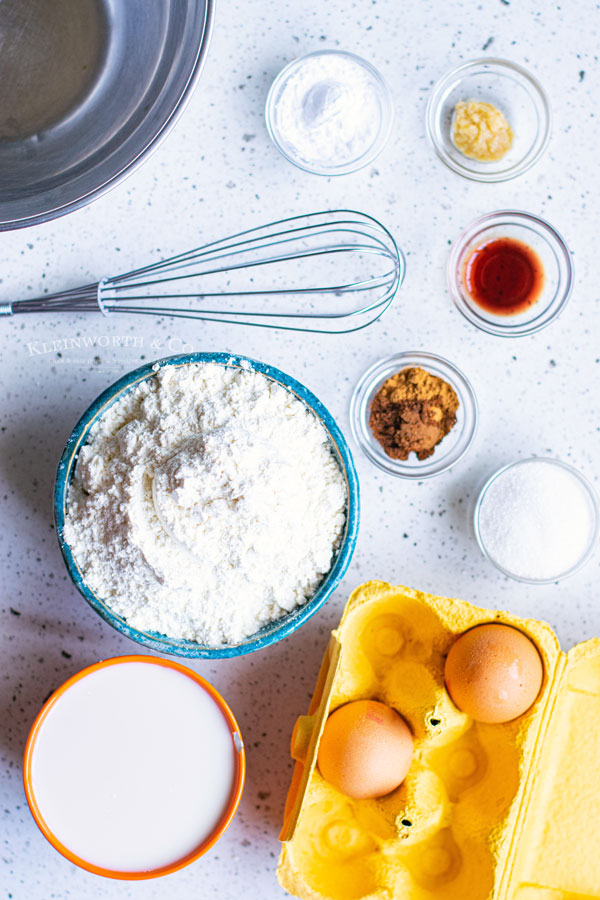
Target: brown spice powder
412, 412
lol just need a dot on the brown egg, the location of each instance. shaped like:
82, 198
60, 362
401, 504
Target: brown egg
494, 673
366, 749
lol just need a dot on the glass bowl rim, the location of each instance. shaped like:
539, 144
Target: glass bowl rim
359, 426
273, 631
587, 487
382, 136
434, 102
517, 217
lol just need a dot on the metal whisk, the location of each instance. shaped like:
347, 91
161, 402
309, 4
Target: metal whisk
327, 272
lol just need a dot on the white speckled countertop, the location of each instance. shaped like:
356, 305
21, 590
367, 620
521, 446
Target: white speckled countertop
537, 395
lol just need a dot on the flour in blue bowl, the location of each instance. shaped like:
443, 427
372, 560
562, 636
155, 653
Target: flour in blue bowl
206, 503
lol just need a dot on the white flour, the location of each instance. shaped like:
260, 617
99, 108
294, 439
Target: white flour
328, 112
206, 503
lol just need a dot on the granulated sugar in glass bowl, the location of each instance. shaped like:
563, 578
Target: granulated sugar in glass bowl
206, 505
537, 520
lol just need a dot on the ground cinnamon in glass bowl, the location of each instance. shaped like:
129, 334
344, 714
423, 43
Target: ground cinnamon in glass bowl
412, 412
408, 431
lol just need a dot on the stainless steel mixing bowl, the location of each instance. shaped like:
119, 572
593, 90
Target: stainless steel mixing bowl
89, 88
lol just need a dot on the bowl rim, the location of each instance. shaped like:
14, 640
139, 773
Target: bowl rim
436, 96
273, 631
560, 249
587, 487
153, 142
375, 373
384, 131
224, 820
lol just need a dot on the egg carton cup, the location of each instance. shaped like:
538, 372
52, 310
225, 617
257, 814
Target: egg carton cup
487, 811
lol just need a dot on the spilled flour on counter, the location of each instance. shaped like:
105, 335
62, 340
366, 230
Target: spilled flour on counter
206, 503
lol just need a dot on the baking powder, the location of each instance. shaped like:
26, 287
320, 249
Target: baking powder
328, 111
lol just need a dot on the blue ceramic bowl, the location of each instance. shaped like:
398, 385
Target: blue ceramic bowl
272, 632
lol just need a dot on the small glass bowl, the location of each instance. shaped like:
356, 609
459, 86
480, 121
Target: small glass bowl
552, 251
383, 99
453, 446
594, 510
510, 88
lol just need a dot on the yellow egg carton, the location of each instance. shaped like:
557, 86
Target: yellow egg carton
487, 812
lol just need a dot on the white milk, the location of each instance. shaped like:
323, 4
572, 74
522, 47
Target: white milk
133, 766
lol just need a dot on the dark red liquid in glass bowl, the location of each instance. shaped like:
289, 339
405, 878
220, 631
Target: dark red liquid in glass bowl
504, 276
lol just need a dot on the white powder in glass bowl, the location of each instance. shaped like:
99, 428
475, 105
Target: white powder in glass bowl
537, 520
329, 111
206, 503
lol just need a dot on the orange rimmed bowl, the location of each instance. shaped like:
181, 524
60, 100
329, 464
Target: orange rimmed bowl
208, 841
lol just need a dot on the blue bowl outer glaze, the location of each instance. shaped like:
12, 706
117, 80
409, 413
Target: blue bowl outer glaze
270, 633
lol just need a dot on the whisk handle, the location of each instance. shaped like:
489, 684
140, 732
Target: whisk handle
82, 299
99, 299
